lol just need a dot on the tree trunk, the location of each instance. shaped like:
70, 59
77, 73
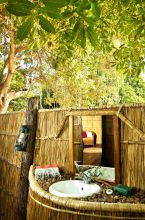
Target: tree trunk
27, 157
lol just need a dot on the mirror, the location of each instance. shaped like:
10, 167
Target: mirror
96, 144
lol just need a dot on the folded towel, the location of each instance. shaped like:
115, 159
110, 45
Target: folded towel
46, 172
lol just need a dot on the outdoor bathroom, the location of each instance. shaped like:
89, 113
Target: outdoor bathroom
57, 143
72, 110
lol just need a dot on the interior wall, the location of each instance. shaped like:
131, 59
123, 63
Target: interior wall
93, 123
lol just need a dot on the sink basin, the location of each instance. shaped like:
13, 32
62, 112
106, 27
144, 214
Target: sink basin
73, 189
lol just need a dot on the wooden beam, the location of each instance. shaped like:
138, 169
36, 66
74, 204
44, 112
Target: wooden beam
131, 125
71, 144
59, 132
116, 149
91, 112
133, 142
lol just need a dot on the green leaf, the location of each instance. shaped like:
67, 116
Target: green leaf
81, 39
92, 36
25, 29
46, 25
76, 30
84, 5
3, 1
55, 3
20, 9
74, 2
27, 3
67, 14
126, 2
55, 14
78, 33
139, 31
95, 9
91, 21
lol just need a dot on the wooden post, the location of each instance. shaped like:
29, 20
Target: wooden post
27, 157
116, 149
71, 144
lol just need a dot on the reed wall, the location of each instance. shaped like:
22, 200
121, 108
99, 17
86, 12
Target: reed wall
133, 148
10, 165
49, 150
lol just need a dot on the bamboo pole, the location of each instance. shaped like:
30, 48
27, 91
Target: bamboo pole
71, 144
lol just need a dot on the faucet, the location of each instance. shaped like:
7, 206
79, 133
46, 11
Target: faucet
77, 166
87, 179
82, 175
88, 175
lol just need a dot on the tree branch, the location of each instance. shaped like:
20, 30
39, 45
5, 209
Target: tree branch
11, 62
5, 66
14, 95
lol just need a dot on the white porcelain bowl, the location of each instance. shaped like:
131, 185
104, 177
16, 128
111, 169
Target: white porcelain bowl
73, 189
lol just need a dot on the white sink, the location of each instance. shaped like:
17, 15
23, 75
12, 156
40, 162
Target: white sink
73, 189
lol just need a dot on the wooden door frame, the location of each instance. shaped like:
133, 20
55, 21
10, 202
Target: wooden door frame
116, 133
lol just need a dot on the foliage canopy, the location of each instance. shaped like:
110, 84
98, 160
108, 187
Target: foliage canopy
110, 25
81, 48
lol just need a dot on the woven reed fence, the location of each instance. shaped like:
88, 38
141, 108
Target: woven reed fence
10, 165
133, 148
48, 148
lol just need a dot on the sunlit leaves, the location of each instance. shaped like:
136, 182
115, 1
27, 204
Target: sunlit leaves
94, 21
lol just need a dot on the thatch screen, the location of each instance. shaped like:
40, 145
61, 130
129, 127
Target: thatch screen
49, 149
10, 164
133, 148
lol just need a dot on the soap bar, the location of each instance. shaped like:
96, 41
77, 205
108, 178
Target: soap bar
124, 190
